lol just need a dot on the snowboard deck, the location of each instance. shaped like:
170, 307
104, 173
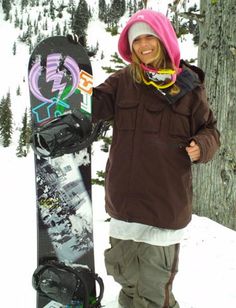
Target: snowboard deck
60, 80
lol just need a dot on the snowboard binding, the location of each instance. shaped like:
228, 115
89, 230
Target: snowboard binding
68, 285
68, 133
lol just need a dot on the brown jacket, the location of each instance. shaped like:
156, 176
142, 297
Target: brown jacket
148, 173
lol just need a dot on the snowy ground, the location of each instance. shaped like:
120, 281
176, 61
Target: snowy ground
206, 277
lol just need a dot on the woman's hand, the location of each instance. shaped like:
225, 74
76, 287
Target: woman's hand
193, 151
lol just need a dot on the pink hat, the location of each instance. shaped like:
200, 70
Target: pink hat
160, 25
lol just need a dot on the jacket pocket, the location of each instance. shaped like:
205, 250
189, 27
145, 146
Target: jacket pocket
152, 117
126, 115
180, 124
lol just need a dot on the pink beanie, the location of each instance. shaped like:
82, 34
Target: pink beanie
160, 25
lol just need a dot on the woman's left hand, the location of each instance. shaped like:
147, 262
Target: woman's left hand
193, 151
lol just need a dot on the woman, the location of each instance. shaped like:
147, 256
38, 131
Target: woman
162, 123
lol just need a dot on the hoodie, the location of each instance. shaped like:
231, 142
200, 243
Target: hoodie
161, 26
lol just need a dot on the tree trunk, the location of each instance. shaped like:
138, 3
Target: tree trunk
215, 182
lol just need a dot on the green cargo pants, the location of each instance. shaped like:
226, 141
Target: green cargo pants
145, 273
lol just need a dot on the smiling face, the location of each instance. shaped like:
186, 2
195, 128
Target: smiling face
147, 49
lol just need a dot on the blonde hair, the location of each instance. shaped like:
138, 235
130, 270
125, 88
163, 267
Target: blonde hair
162, 60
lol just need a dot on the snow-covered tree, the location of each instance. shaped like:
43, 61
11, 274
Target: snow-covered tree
117, 10
17, 20
52, 10
24, 4
185, 20
65, 29
6, 6
6, 125
118, 64
58, 29
102, 10
81, 18
25, 131
14, 48
18, 92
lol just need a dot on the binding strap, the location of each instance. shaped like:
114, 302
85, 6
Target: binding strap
68, 284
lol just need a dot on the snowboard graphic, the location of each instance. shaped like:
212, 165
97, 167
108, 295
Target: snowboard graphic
60, 80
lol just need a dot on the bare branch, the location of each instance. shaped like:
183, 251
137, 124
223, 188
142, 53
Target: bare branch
193, 16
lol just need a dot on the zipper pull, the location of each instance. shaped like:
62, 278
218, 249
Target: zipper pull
162, 92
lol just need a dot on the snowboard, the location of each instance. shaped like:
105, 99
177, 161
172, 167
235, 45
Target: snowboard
60, 80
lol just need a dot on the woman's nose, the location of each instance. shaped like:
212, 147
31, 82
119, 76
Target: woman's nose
143, 41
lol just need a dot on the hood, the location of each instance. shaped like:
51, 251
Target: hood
162, 27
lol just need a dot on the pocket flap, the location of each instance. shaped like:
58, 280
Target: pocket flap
154, 106
126, 104
182, 109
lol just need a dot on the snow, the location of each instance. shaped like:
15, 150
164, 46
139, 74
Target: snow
207, 266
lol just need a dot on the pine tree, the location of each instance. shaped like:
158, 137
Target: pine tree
119, 64
116, 11
100, 180
81, 19
130, 8
185, 21
142, 4
71, 11
71, 6
30, 47
14, 49
135, 6
102, 10
6, 125
52, 10
118, 8
17, 21
65, 31
45, 25
35, 27
32, 3
21, 24
28, 21
39, 16
23, 145
18, 92
45, 12
58, 29
6, 6
24, 4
